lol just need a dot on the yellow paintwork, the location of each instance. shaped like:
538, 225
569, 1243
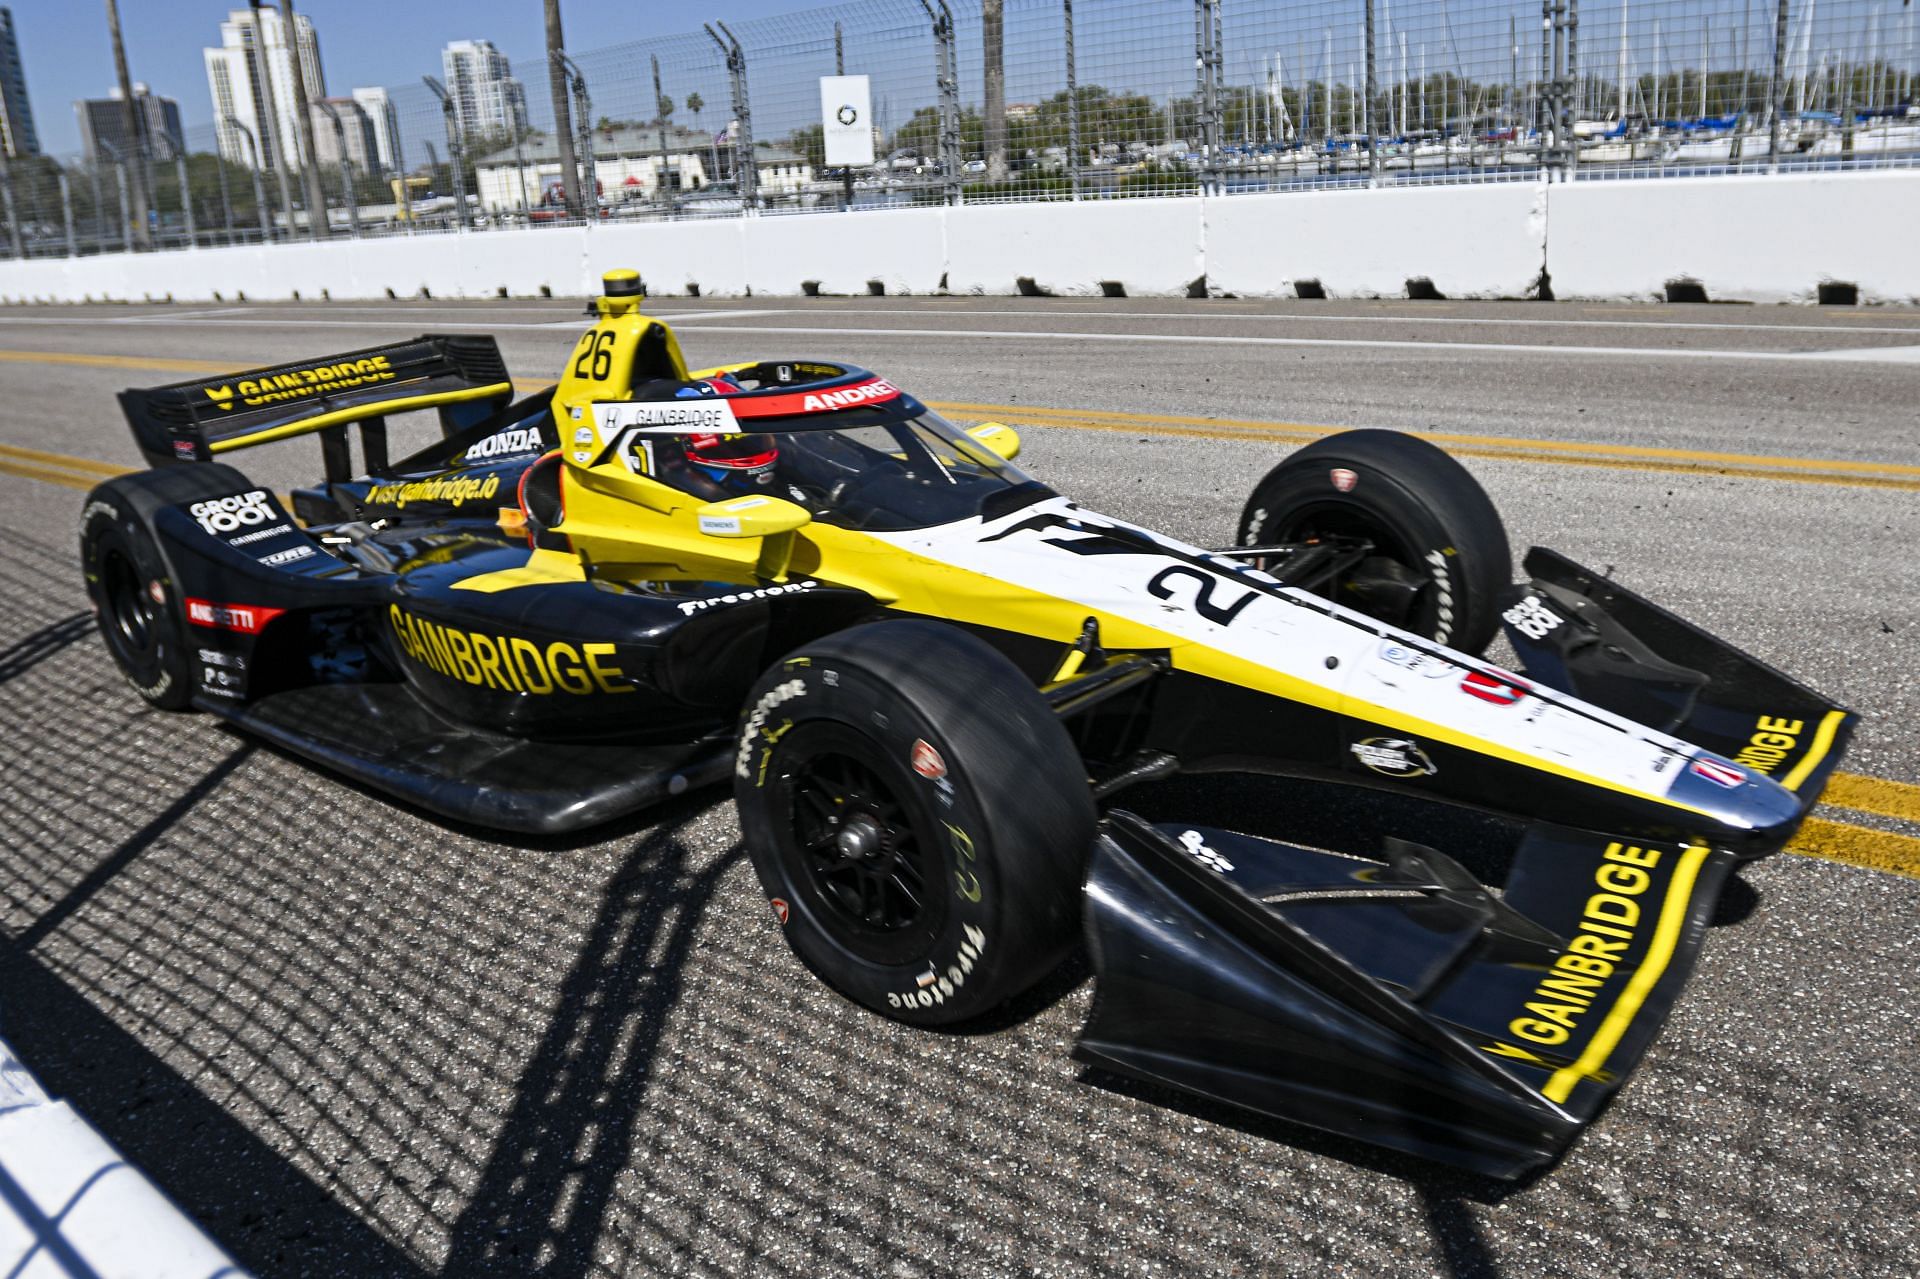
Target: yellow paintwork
751, 515
1002, 439
378, 408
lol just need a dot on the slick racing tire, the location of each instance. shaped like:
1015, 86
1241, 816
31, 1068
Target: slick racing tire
1439, 557
918, 817
136, 601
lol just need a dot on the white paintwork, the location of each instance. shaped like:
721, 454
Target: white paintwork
1297, 636
1754, 238
83, 1201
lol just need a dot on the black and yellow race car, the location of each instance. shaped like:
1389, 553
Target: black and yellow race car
927, 677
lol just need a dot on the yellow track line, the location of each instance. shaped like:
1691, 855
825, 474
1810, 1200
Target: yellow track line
86, 464
65, 478
1442, 437
1516, 451
1876, 795
1859, 846
118, 361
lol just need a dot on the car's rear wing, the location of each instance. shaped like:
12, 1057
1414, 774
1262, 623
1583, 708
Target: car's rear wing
463, 377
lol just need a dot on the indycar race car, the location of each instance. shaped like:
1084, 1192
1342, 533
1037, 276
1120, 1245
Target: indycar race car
928, 677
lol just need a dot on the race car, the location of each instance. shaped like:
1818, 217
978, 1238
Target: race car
928, 678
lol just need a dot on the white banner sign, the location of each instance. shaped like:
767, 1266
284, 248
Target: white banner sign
846, 111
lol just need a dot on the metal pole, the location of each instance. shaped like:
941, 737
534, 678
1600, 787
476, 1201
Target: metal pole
93, 169
1777, 91
346, 169
318, 224
1073, 108
1206, 18
126, 214
520, 169
226, 202
659, 101
746, 178
452, 120
946, 77
259, 191
583, 107
1373, 136
267, 146
13, 220
186, 195
840, 68
66, 215
1571, 9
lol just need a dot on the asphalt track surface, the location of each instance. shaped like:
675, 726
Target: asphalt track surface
353, 1040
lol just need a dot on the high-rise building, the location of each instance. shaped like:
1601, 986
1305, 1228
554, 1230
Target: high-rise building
355, 131
16, 113
105, 120
385, 122
251, 79
486, 97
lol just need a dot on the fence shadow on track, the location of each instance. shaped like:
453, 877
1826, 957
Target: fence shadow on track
543, 1193
28, 652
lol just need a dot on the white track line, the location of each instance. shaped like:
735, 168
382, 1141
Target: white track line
1493, 348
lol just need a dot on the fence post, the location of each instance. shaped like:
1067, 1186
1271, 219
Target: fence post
1570, 98
946, 76
126, 215
840, 68
226, 199
186, 197
1207, 65
13, 221
1777, 91
746, 179
1372, 88
1073, 108
666, 191
66, 215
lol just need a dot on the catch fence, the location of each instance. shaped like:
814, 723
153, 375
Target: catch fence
1025, 100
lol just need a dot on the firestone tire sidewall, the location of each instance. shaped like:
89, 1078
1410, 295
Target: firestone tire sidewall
979, 955
160, 672
1437, 537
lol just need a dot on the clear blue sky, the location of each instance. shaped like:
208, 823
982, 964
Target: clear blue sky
64, 47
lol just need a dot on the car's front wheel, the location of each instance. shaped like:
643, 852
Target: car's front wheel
918, 817
1399, 531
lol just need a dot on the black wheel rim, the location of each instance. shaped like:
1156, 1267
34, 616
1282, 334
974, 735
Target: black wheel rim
858, 844
131, 626
1390, 584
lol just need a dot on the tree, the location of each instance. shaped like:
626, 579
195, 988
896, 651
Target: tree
665, 108
562, 119
696, 104
993, 34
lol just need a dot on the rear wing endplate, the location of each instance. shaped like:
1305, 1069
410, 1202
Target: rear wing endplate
464, 377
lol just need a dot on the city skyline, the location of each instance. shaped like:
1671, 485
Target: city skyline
66, 55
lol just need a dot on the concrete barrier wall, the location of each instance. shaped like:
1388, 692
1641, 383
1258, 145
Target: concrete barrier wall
1749, 239
1760, 239
1469, 241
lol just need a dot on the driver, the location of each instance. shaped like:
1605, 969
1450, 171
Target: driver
723, 466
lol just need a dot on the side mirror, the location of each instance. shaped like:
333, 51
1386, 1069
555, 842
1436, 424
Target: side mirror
751, 516
997, 438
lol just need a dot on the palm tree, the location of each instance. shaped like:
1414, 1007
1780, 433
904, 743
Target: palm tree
562, 125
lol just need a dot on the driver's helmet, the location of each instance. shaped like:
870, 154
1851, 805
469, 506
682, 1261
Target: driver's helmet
732, 462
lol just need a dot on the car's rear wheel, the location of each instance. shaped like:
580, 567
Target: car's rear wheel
136, 601
1398, 530
918, 818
